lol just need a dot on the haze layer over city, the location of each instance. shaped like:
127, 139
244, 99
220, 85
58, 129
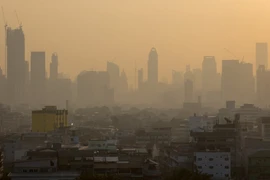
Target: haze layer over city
145, 89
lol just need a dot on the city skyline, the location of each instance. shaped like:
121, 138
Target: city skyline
176, 40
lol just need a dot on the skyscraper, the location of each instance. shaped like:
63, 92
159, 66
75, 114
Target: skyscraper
123, 82
153, 67
38, 78
15, 44
209, 74
197, 83
140, 78
177, 77
54, 67
188, 91
114, 74
237, 82
93, 88
263, 86
261, 55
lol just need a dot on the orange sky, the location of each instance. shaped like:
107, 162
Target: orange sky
87, 33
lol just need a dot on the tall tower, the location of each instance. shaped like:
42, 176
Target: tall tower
153, 67
114, 73
38, 78
188, 91
15, 46
54, 67
209, 74
140, 78
261, 55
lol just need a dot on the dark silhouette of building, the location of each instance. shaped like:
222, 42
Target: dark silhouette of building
263, 86
15, 46
140, 78
177, 78
188, 74
188, 91
54, 67
38, 78
261, 55
114, 73
93, 88
237, 82
123, 82
197, 83
3, 87
153, 67
209, 74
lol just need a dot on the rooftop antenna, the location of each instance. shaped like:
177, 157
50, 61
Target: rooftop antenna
19, 22
5, 26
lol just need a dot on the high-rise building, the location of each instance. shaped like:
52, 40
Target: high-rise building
229, 80
123, 82
261, 55
38, 78
177, 77
209, 74
114, 73
197, 73
188, 91
54, 67
153, 67
188, 74
237, 82
15, 46
140, 78
93, 88
3, 87
263, 86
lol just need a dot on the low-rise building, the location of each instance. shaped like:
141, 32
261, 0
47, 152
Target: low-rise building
40, 169
159, 133
215, 164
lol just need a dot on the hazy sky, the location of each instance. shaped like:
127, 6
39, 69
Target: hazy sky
87, 33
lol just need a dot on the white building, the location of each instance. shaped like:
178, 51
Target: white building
216, 164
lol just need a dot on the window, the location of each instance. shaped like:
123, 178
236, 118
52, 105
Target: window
199, 167
226, 175
31, 170
35, 170
199, 159
226, 159
226, 167
211, 159
211, 167
24, 170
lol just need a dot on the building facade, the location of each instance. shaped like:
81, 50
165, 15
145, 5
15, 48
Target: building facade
49, 119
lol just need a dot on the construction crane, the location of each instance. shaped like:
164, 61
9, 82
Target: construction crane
19, 22
5, 26
230, 52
